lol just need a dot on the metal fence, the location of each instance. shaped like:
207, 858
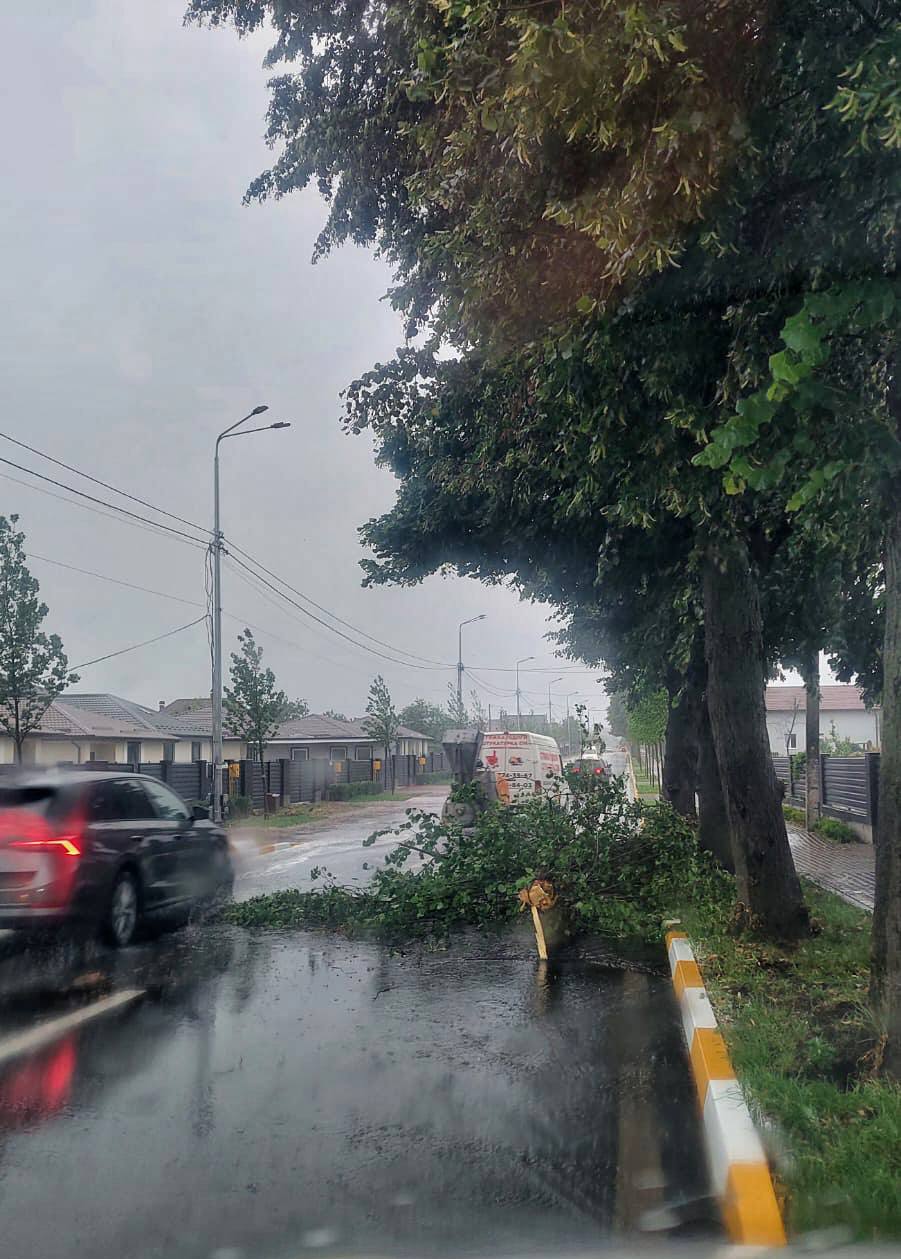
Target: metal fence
849, 786
288, 782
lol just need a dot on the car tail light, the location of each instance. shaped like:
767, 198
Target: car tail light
63, 845
598, 769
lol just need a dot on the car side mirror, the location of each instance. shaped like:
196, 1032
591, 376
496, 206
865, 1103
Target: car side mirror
200, 813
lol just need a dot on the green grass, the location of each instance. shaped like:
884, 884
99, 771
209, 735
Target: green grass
830, 828
802, 1043
303, 814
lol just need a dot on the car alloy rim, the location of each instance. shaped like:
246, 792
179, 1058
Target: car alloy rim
125, 909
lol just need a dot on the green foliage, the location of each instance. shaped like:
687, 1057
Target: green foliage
335, 716
253, 703
34, 669
834, 744
617, 865
839, 832
802, 1040
239, 806
382, 721
617, 715
354, 791
427, 718
294, 709
648, 717
796, 816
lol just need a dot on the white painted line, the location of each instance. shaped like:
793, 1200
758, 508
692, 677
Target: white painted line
46, 1033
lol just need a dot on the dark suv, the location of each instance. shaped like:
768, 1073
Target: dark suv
80, 848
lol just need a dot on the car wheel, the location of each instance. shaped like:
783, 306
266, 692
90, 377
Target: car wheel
124, 910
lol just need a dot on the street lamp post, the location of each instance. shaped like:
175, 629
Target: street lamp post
550, 710
217, 602
569, 729
471, 621
518, 692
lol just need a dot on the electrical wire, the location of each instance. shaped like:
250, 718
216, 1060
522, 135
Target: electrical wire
407, 664
96, 480
347, 624
38, 489
70, 489
136, 646
87, 572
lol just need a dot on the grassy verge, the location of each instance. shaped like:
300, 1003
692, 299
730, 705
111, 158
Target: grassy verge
802, 1044
826, 827
303, 814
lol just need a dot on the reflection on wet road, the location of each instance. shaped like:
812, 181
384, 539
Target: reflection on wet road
271, 1094
339, 849
282, 1092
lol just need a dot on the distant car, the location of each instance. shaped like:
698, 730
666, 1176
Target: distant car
589, 763
103, 851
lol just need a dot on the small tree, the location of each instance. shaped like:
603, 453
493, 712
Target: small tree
456, 709
478, 715
428, 718
253, 702
33, 665
382, 721
335, 716
295, 709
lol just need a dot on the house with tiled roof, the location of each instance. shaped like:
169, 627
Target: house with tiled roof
842, 709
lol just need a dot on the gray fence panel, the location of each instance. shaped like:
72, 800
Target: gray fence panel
359, 771
845, 785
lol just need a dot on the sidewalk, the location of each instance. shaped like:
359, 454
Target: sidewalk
846, 869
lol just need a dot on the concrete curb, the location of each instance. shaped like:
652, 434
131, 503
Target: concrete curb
738, 1164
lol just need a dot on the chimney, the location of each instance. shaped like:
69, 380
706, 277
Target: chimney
162, 704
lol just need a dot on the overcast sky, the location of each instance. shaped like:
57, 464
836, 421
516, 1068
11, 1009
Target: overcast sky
144, 310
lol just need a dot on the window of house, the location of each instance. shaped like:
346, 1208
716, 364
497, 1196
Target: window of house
792, 740
363, 754
300, 754
337, 754
133, 753
196, 751
169, 750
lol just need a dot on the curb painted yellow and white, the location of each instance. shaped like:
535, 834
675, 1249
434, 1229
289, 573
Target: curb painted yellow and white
738, 1164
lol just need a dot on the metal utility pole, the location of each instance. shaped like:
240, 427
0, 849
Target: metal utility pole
550, 710
569, 728
216, 546
471, 621
518, 691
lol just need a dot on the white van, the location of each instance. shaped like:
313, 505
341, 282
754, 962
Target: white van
513, 765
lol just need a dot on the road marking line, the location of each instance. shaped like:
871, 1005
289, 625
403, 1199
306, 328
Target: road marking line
45, 1033
738, 1163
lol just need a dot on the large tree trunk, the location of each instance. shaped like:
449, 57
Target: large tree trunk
680, 756
810, 672
714, 834
885, 984
768, 887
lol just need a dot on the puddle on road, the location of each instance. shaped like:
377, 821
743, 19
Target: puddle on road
284, 1093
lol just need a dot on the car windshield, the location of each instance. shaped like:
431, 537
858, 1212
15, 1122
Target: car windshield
450, 628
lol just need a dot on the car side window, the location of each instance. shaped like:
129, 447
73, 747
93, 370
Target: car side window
118, 801
166, 803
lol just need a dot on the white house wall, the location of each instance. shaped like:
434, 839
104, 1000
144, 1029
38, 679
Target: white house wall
858, 725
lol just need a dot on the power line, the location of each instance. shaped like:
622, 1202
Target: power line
103, 503
38, 489
363, 633
87, 476
117, 581
407, 664
136, 646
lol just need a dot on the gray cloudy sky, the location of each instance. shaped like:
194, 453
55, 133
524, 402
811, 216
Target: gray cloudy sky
145, 309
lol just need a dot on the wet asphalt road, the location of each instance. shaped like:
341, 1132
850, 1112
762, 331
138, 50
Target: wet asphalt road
339, 848
284, 1094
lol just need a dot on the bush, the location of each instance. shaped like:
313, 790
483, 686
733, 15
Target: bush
239, 806
618, 866
797, 816
353, 791
838, 832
